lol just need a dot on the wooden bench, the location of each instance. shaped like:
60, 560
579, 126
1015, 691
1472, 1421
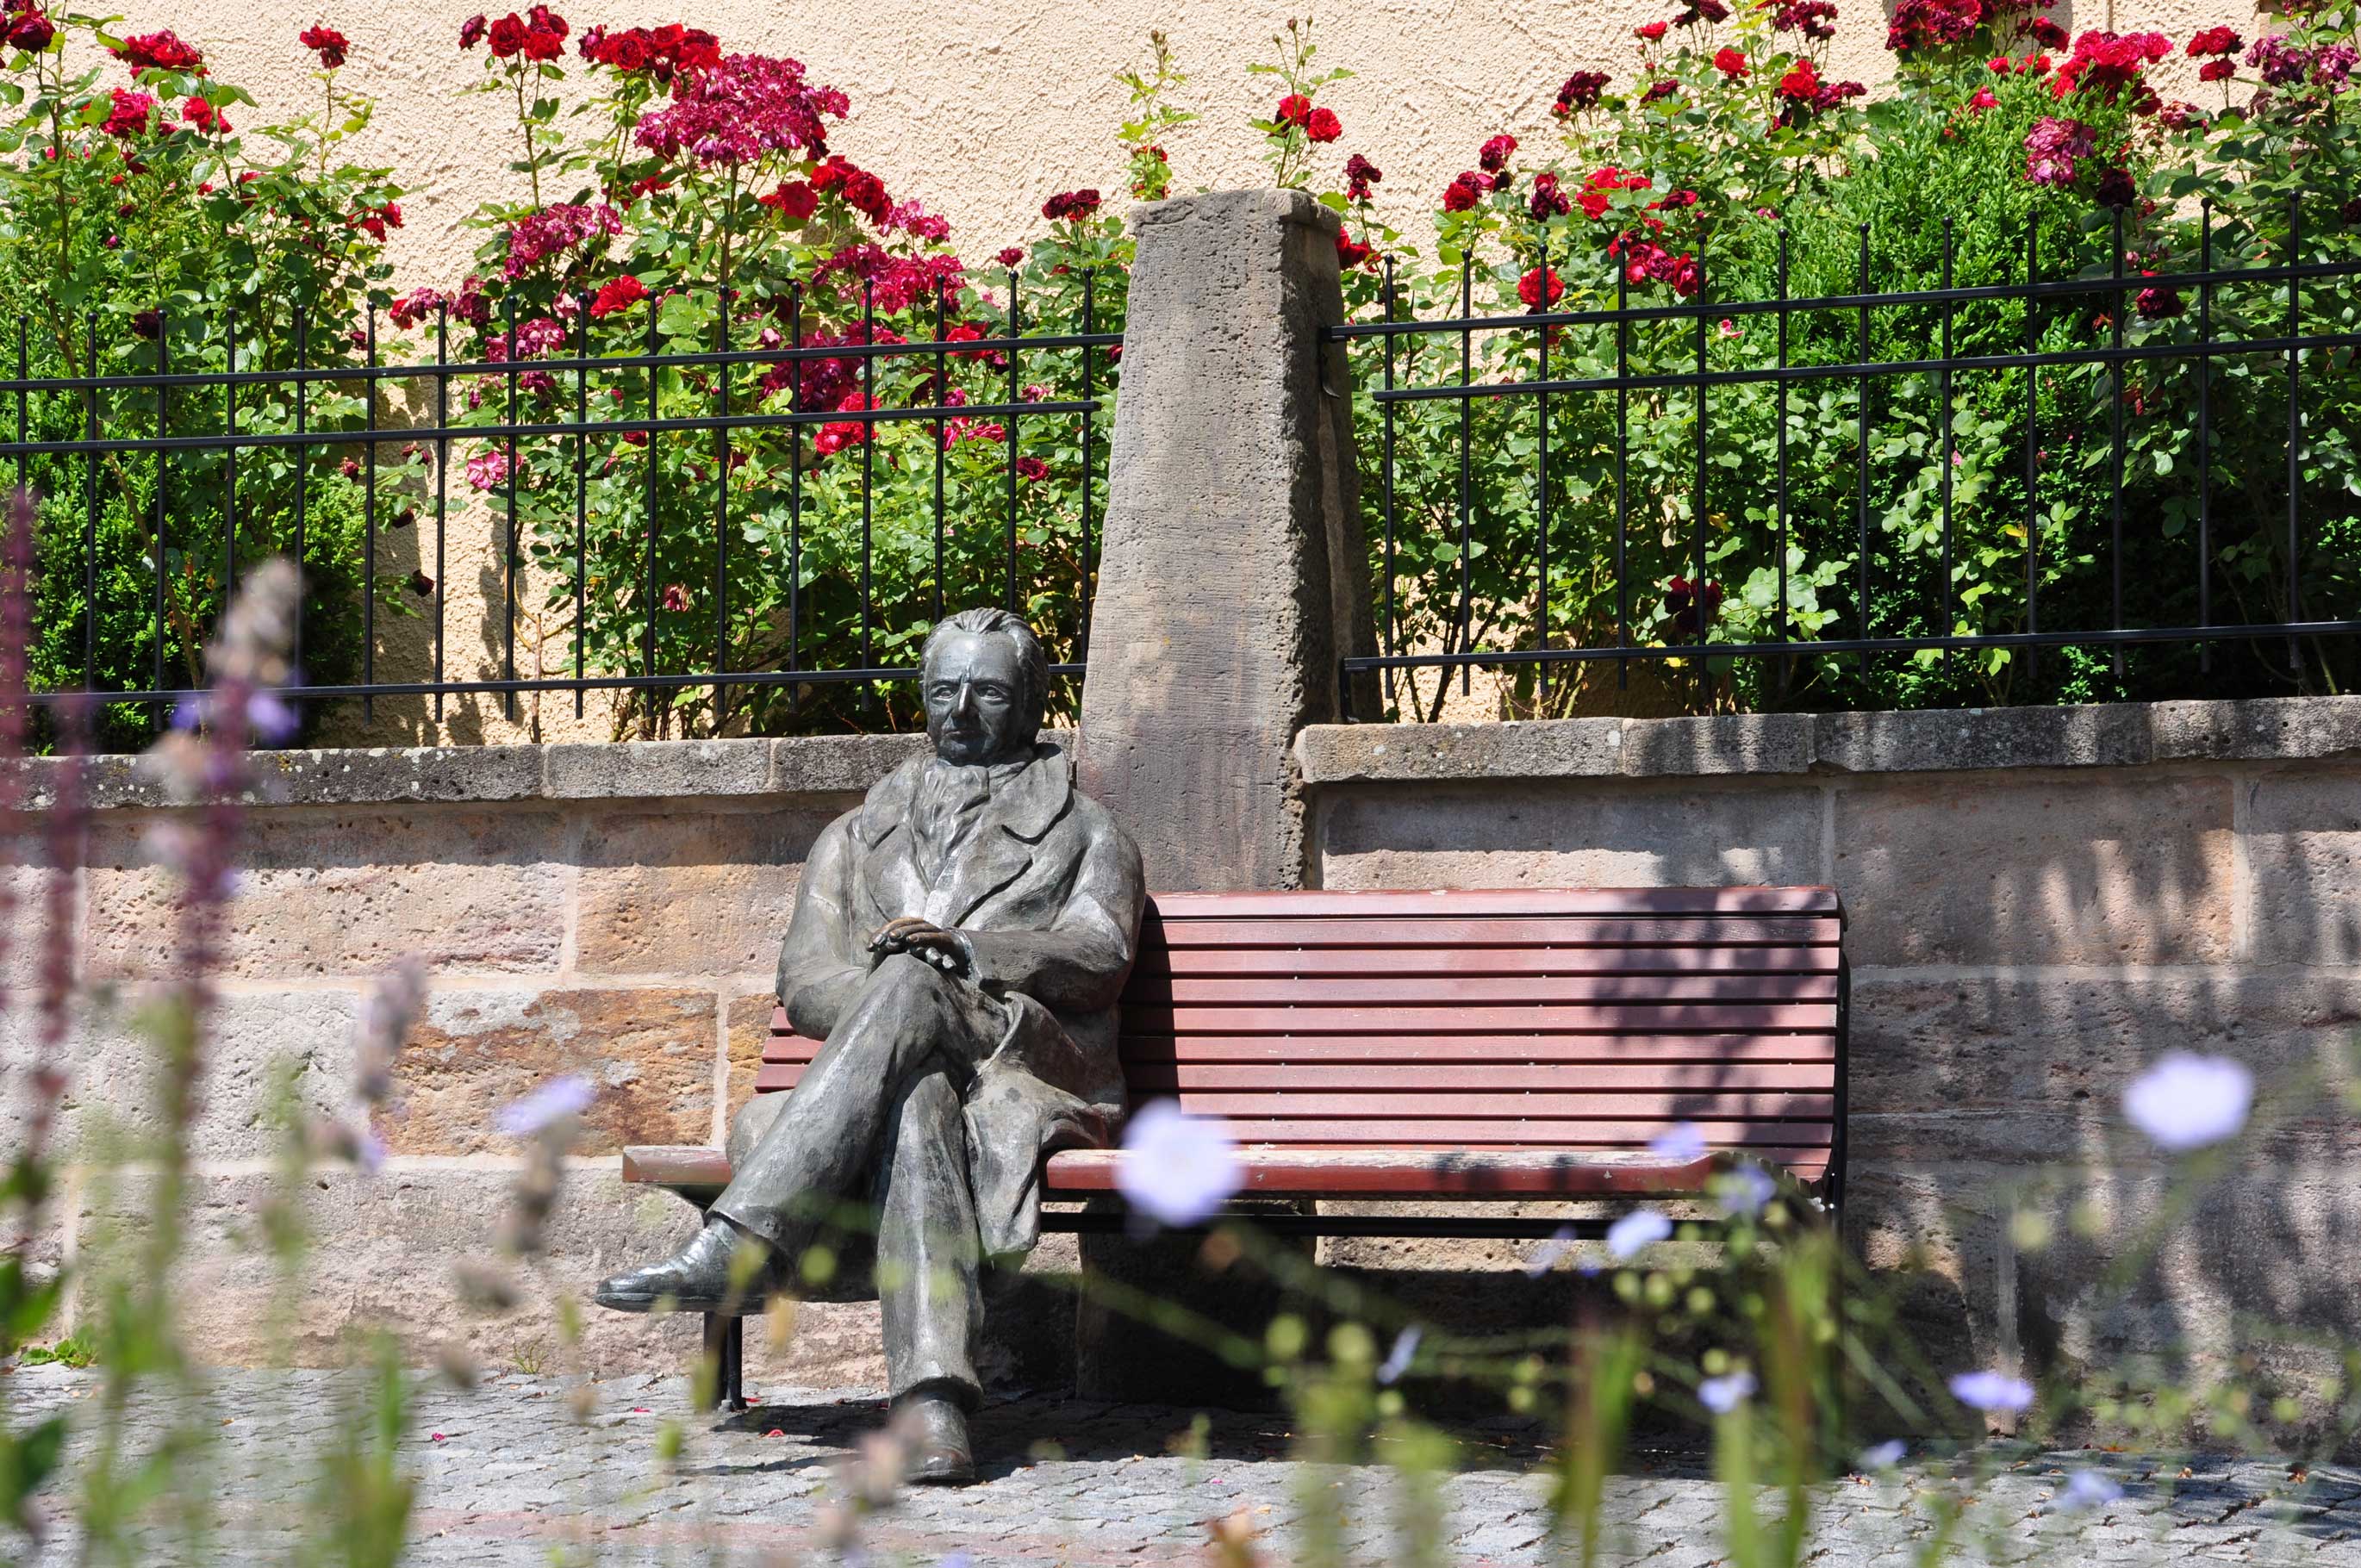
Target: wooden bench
1482, 1046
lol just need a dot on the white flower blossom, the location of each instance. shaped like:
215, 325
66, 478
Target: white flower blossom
1177, 1168
1636, 1229
2186, 1102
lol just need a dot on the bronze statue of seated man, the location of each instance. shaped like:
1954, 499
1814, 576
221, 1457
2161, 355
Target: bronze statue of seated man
959, 942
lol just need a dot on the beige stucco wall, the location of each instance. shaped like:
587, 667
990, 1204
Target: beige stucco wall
985, 110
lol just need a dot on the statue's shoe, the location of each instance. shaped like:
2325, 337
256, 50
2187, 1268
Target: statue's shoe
694, 1279
935, 1428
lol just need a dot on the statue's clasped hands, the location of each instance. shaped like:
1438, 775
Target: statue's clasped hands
923, 939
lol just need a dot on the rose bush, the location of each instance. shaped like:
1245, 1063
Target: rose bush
1724, 163
144, 225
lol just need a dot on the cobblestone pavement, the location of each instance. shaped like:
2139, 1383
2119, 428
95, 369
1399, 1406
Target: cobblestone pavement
510, 1475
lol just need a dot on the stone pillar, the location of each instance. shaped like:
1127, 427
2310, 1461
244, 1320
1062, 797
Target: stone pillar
1233, 573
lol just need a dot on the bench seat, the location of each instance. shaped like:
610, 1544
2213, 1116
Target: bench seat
1509, 1044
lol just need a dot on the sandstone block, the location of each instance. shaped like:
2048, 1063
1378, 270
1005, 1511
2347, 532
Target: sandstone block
2030, 1069
346, 892
1958, 739
2055, 870
749, 1026
651, 1054
690, 891
1570, 835
2303, 854
657, 769
266, 1059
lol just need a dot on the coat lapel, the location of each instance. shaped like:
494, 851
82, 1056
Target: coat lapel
889, 874
1021, 813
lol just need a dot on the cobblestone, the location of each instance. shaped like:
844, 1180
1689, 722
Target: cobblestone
508, 1475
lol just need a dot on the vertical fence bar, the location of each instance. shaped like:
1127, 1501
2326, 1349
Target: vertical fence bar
942, 399
1009, 455
1860, 405
229, 514
442, 482
509, 555
2032, 446
368, 525
1696, 589
1622, 474
2205, 431
1943, 599
2116, 445
90, 510
302, 457
1467, 486
1779, 489
649, 604
1090, 315
582, 303
163, 475
24, 437
796, 486
1541, 479
1388, 468
2295, 434
722, 509
868, 473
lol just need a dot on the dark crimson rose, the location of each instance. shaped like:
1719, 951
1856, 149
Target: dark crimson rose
420, 584
1322, 124
2156, 305
327, 42
1548, 201
1011, 256
1360, 174
1351, 252
1685, 598
547, 20
1074, 205
2351, 210
2116, 190
159, 51
1493, 156
471, 32
2047, 33
1528, 288
1581, 90
507, 36
147, 323
1032, 468
796, 199
2215, 40
1465, 192
31, 32
2217, 70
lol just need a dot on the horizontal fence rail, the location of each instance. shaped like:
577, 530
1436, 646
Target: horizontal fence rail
624, 475
1513, 444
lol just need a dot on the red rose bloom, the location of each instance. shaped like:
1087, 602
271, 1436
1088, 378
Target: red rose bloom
159, 51
1071, 206
208, 120
1528, 289
1294, 109
1983, 100
1668, 87
1730, 62
1351, 252
2215, 40
128, 118
1548, 201
1493, 156
796, 199
327, 42
1581, 90
1359, 175
540, 43
618, 294
471, 32
1322, 124
1802, 82
1652, 33
1011, 256
1031, 468
30, 31
2217, 70
507, 36
2047, 33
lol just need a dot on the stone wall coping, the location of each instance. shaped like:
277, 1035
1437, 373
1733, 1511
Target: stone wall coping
1942, 740
799, 765
2126, 734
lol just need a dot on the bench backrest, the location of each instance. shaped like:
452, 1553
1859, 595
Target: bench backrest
1488, 1019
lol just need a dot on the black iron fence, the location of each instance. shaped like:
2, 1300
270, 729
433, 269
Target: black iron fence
722, 505
1796, 489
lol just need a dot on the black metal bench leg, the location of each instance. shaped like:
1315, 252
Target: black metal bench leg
733, 1364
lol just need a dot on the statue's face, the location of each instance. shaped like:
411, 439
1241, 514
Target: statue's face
975, 699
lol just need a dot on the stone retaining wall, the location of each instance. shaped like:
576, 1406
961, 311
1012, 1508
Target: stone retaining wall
2040, 901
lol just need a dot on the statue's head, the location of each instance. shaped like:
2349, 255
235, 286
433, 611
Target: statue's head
986, 681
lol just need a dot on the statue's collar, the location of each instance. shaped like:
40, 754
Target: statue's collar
1027, 801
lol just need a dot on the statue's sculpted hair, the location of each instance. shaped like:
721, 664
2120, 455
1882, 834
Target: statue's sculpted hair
989, 620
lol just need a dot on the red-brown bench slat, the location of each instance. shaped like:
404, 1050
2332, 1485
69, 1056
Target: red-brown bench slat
1572, 1050
1522, 901
1506, 931
1533, 990
1602, 1018
1205, 963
